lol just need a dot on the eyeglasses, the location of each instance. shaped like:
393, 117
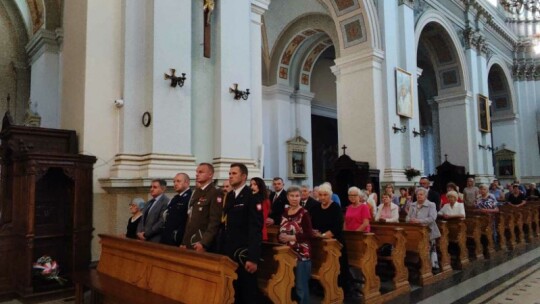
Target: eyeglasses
353, 194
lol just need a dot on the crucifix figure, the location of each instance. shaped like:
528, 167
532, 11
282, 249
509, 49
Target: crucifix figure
208, 8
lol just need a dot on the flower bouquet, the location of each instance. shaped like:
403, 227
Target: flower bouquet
411, 172
47, 268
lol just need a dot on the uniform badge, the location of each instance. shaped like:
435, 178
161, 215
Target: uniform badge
219, 200
259, 207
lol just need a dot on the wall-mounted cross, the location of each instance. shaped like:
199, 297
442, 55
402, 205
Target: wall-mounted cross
344, 148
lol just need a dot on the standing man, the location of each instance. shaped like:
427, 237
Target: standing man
152, 221
306, 201
176, 214
432, 195
226, 187
204, 211
278, 200
243, 234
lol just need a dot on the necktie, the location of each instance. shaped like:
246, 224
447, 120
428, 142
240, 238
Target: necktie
150, 204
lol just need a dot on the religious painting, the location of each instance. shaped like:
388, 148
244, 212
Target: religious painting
449, 78
283, 72
404, 93
297, 150
354, 30
342, 7
305, 79
484, 123
506, 168
504, 163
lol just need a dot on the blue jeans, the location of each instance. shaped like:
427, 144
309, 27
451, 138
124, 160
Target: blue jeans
303, 273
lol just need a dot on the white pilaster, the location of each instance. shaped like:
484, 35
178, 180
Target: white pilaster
43, 51
303, 125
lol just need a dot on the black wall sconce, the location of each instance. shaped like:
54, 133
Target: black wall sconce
238, 93
422, 133
489, 148
176, 80
403, 129
482, 147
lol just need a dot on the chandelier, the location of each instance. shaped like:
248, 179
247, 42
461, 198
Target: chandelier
517, 7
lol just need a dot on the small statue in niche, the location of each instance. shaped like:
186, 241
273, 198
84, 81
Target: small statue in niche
32, 118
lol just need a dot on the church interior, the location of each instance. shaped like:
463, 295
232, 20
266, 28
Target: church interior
101, 99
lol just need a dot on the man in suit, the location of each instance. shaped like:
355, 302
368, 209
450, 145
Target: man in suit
306, 200
432, 195
243, 233
278, 200
204, 211
151, 223
176, 214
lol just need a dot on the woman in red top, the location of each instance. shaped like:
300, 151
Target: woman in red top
259, 189
357, 216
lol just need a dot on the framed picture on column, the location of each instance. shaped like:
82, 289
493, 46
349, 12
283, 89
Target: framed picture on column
404, 93
484, 123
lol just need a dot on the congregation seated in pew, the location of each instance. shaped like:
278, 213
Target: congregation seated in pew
357, 214
387, 211
452, 209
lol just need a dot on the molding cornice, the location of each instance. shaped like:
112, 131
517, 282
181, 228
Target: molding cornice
409, 3
43, 41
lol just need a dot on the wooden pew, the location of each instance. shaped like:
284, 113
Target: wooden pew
474, 236
519, 235
396, 237
417, 252
325, 255
457, 234
130, 267
508, 230
501, 230
442, 244
486, 228
276, 274
535, 219
362, 253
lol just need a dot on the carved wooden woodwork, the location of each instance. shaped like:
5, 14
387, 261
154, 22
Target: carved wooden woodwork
276, 275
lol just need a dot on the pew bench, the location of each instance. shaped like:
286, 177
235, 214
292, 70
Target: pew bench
276, 274
362, 253
474, 236
144, 270
397, 238
457, 235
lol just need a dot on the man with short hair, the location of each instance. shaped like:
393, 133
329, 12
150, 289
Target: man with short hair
278, 200
432, 195
243, 233
306, 200
204, 211
176, 214
516, 198
152, 221
226, 187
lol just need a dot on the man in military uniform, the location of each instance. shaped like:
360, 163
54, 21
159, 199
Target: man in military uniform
204, 211
176, 214
243, 233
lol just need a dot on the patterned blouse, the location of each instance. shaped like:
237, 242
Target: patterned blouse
299, 225
486, 203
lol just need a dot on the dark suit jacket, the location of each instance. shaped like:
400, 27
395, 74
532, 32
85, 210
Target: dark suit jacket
310, 203
152, 223
434, 197
243, 228
278, 206
176, 219
205, 218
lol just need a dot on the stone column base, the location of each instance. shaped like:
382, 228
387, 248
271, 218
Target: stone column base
132, 166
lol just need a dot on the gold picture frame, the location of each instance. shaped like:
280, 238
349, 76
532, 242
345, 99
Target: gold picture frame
404, 93
484, 119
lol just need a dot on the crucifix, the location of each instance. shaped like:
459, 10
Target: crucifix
208, 8
344, 148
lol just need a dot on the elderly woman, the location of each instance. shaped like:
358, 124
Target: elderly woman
450, 187
135, 208
387, 211
327, 222
532, 191
358, 214
485, 201
452, 209
424, 212
470, 193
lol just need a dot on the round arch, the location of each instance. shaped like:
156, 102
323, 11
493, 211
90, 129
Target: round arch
499, 62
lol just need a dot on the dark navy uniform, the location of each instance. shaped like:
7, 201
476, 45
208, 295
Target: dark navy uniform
175, 219
278, 205
243, 230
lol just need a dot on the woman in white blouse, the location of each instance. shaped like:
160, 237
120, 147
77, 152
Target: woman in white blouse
387, 212
453, 209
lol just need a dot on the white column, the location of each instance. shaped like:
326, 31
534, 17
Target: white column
473, 156
303, 125
359, 89
43, 51
486, 169
233, 118
258, 7
151, 49
278, 129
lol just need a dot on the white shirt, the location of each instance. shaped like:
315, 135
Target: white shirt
238, 190
458, 209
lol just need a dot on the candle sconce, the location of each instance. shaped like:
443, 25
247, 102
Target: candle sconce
403, 129
176, 80
422, 133
238, 93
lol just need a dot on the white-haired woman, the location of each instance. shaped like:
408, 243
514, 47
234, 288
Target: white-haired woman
452, 209
485, 201
135, 208
358, 214
387, 211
